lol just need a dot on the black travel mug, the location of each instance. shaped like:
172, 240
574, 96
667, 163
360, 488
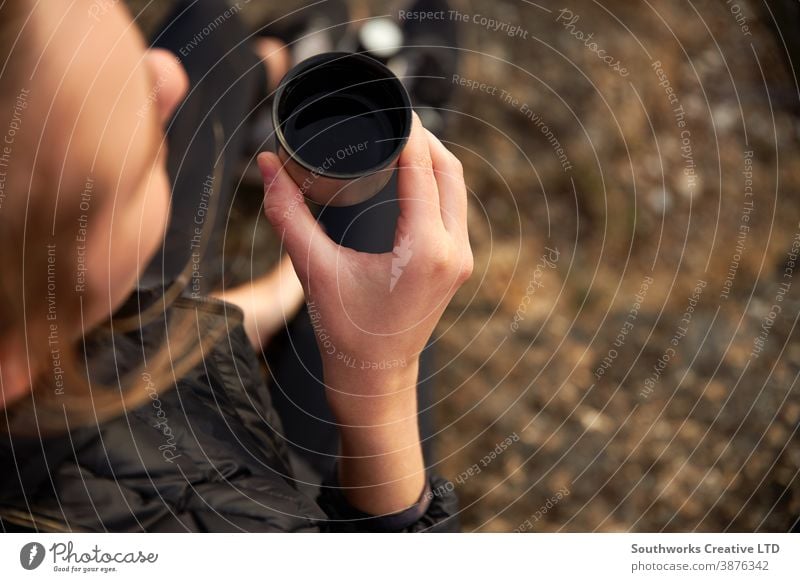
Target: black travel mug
341, 121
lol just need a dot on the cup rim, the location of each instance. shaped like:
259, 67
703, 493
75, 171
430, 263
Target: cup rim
321, 60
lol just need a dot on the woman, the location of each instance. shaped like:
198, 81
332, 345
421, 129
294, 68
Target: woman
132, 406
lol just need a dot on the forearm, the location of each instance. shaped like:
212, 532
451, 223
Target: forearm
381, 467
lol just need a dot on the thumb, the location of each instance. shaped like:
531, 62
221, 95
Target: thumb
286, 210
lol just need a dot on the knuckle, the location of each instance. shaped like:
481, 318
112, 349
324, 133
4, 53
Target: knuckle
467, 267
439, 258
421, 161
275, 214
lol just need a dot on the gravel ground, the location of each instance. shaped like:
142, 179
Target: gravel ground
642, 416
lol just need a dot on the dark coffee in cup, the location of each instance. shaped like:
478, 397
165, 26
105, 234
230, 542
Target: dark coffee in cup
341, 121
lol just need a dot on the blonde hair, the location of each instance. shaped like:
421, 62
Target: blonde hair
38, 308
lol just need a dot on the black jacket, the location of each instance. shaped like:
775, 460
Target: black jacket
204, 456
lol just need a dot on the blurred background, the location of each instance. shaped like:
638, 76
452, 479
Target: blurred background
625, 356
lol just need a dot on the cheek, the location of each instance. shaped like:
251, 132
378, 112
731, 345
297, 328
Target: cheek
127, 244
142, 233
155, 217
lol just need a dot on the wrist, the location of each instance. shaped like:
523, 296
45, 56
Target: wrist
371, 396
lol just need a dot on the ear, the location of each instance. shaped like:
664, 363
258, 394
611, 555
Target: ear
171, 83
14, 376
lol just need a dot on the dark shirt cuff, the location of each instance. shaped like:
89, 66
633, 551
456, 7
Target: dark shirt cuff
334, 501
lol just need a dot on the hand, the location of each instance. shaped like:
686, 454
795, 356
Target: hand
376, 311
